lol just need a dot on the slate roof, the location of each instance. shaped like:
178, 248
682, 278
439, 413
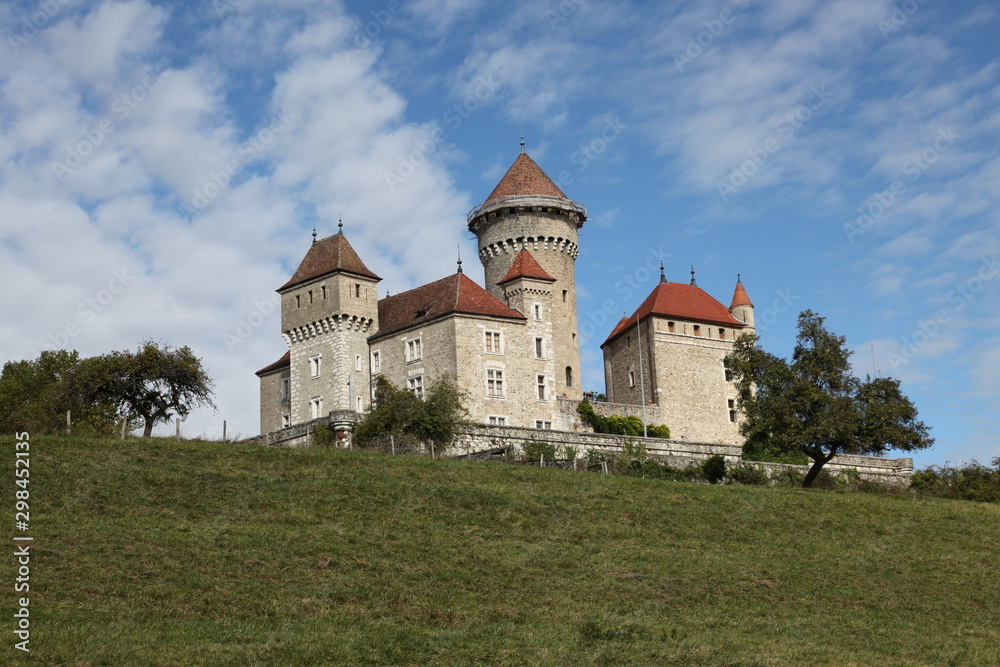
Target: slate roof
326, 256
284, 362
526, 266
680, 300
455, 294
525, 178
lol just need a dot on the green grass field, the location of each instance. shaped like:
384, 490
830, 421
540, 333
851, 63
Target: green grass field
174, 553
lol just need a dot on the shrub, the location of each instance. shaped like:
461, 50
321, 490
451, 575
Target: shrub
713, 469
570, 452
616, 424
749, 474
536, 449
972, 481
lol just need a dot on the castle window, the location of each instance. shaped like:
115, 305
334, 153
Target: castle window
286, 390
732, 410
361, 405
565, 292
538, 311
357, 362
494, 382
416, 385
540, 381
722, 334
539, 348
286, 421
569, 376
631, 378
729, 375
316, 407
324, 292
376, 362
298, 300
315, 365
357, 290
414, 350
310, 296
494, 342
497, 420
543, 424
670, 327
697, 330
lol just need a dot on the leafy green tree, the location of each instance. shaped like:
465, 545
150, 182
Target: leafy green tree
814, 405
155, 382
35, 396
437, 419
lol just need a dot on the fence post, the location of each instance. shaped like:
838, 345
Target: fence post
392, 443
123, 428
432, 449
68, 422
223, 430
541, 460
177, 421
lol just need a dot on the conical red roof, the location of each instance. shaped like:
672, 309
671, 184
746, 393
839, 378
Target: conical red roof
680, 300
740, 297
331, 254
526, 266
455, 294
525, 178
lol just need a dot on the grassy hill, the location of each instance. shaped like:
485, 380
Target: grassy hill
166, 553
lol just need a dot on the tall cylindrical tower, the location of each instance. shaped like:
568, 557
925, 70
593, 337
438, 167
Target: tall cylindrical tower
527, 210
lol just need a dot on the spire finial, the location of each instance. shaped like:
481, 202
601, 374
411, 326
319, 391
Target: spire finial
314, 232
693, 281
663, 276
738, 280
459, 258
340, 225
522, 138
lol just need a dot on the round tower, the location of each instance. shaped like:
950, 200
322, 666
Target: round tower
527, 210
742, 307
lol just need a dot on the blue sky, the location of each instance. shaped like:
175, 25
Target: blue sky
162, 167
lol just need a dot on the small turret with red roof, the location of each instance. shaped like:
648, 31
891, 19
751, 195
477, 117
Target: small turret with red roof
742, 307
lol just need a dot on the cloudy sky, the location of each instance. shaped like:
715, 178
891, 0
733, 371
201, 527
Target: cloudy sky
162, 166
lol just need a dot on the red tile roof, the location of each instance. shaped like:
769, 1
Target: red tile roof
525, 178
329, 255
284, 362
680, 300
526, 266
455, 294
740, 297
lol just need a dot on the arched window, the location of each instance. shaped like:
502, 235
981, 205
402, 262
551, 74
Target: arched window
569, 376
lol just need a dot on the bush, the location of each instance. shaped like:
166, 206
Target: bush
749, 474
535, 450
972, 481
616, 424
713, 469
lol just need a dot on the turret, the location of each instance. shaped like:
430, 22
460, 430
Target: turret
527, 211
742, 307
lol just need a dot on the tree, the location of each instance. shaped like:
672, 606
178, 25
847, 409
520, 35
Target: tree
155, 382
35, 396
814, 405
398, 412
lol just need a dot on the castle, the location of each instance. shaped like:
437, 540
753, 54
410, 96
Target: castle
511, 347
